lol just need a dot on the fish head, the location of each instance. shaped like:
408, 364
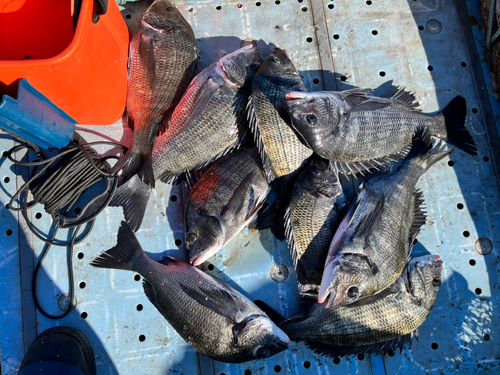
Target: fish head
279, 67
204, 237
319, 179
239, 67
424, 278
314, 116
346, 279
163, 15
258, 337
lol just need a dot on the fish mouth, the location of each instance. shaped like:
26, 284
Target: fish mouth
295, 95
199, 258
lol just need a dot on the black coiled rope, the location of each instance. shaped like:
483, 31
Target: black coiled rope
58, 185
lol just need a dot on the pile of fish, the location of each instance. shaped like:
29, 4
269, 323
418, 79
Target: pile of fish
362, 292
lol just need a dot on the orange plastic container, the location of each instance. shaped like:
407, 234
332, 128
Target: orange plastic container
83, 71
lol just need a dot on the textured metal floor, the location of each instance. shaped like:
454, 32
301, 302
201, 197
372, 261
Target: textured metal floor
338, 44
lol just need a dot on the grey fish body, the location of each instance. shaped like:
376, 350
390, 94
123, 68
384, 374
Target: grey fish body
358, 131
374, 240
316, 208
377, 324
211, 316
223, 201
281, 150
162, 60
210, 118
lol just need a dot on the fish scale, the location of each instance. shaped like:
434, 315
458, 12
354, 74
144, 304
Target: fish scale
281, 150
375, 242
377, 324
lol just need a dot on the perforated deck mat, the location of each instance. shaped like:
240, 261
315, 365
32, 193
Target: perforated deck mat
420, 44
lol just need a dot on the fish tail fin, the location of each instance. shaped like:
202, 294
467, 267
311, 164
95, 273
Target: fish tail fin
425, 154
136, 162
276, 317
124, 254
456, 132
133, 196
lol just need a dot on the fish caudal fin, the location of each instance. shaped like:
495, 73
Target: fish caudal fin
124, 254
133, 196
425, 154
136, 161
457, 134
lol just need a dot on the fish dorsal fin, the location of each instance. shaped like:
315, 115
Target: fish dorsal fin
358, 91
361, 167
419, 217
168, 260
216, 299
254, 128
368, 223
406, 98
147, 56
378, 348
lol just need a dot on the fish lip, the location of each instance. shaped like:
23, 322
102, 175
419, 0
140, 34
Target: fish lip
295, 95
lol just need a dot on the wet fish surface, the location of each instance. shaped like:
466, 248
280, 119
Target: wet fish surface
206, 312
209, 121
223, 201
162, 61
375, 238
357, 131
376, 324
281, 150
316, 208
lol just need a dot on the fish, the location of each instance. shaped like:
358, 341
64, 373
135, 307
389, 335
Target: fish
209, 121
374, 240
282, 152
316, 208
223, 201
383, 322
162, 61
358, 132
205, 311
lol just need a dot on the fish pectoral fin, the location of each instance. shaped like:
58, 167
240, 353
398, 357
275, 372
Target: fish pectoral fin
419, 218
147, 56
216, 299
368, 223
237, 202
360, 103
201, 99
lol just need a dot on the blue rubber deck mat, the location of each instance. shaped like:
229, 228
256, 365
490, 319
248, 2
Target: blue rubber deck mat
429, 47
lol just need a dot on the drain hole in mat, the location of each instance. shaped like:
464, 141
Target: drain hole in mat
361, 356
248, 372
486, 159
304, 9
486, 337
82, 285
474, 110
430, 68
128, 16
211, 267
80, 255
173, 198
381, 73
466, 233
451, 163
434, 345
178, 242
374, 32
316, 81
9, 232
472, 262
142, 338
139, 307
336, 36
84, 315
478, 291
460, 206
330, 6
277, 368
6, 180
137, 277
391, 352
257, 4
38, 215
336, 360
464, 64
307, 364
218, 7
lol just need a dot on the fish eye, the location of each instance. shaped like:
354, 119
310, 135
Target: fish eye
254, 66
352, 291
311, 119
276, 60
262, 352
318, 169
170, 9
436, 282
192, 238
